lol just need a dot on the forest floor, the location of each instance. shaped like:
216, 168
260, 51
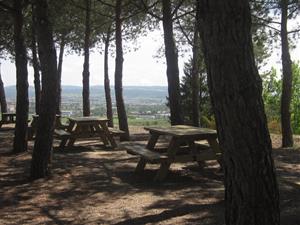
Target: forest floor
94, 185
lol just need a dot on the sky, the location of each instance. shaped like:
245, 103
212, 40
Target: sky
140, 67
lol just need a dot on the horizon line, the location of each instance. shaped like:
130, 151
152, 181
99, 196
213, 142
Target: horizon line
71, 85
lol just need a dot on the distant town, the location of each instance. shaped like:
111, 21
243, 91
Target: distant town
142, 103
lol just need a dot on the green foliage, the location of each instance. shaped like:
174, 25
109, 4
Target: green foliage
208, 122
6, 34
260, 35
272, 87
186, 93
295, 104
271, 94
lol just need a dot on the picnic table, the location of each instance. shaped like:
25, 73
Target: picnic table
182, 147
34, 122
7, 118
85, 127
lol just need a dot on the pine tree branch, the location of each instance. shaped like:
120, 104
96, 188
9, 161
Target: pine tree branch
177, 7
263, 24
184, 14
93, 11
294, 9
190, 42
107, 4
293, 31
266, 21
147, 9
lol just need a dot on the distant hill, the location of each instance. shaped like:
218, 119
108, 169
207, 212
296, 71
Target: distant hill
131, 93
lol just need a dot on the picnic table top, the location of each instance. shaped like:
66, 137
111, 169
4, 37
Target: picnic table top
9, 114
88, 119
183, 131
37, 115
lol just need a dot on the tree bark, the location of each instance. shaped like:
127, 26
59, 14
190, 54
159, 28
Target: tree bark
36, 67
172, 65
251, 190
109, 111
20, 139
42, 152
86, 72
3, 103
59, 71
287, 134
195, 76
123, 124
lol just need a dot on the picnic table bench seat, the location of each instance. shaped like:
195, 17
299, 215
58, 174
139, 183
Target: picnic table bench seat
61, 134
141, 150
115, 131
186, 144
157, 157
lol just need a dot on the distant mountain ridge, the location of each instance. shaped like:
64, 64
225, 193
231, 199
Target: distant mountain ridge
130, 92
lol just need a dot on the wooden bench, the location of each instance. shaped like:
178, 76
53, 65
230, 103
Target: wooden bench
115, 132
146, 154
61, 134
203, 153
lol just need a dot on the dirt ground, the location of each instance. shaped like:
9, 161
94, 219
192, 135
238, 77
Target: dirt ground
94, 185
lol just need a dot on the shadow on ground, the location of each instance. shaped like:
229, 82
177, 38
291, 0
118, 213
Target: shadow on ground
94, 185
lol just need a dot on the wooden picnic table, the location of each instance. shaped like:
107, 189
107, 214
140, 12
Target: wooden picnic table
86, 127
182, 147
34, 122
7, 118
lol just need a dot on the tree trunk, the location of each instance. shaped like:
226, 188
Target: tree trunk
42, 152
86, 72
35, 63
195, 76
109, 111
3, 103
251, 191
287, 134
20, 139
123, 124
59, 71
172, 65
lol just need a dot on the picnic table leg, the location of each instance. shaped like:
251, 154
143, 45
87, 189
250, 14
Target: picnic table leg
165, 165
140, 166
101, 134
216, 148
11, 119
72, 138
162, 172
63, 143
193, 148
152, 141
107, 135
71, 141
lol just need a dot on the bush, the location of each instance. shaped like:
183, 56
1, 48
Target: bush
208, 122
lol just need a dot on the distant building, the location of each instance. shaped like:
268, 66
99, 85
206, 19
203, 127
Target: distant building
66, 113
